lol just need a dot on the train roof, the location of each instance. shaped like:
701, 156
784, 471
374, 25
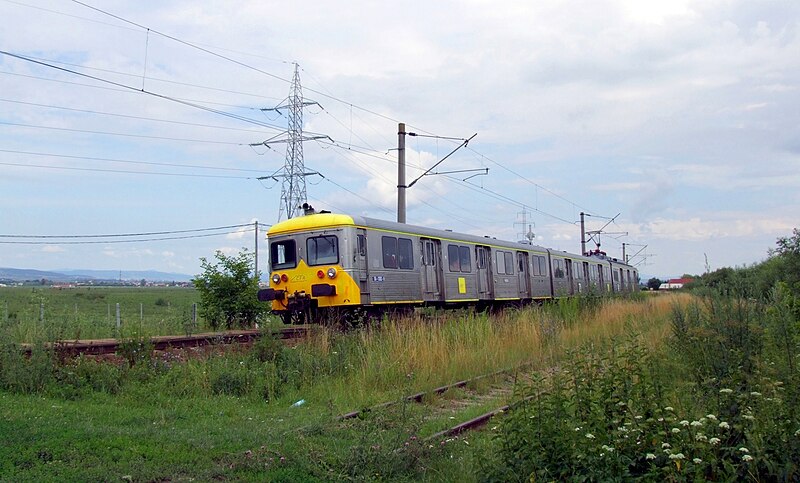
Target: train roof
332, 220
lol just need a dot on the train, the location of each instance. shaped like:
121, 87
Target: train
327, 266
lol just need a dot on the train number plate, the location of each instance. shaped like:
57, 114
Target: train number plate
377, 278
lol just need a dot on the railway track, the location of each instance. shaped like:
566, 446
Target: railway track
472, 424
111, 346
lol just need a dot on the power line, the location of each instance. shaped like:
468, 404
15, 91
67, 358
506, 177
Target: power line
144, 91
149, 233
108, 242
114, 89
127, 116
150, 78
108, 133
147, 163
123, 171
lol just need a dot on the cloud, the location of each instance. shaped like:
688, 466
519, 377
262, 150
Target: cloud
53, 249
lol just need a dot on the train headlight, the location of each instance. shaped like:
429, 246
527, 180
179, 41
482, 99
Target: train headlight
320, 274
331, 272
276, 279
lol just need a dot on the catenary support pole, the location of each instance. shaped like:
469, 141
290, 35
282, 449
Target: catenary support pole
401, 173
583, 235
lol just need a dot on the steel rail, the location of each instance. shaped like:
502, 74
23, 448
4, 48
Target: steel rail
111, 346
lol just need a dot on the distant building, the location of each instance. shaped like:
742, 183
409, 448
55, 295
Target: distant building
675, 283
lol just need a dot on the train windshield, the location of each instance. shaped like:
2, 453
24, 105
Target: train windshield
322, 250
283, 254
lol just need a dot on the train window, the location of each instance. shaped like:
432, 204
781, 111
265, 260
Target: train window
542, 266
521, 262
536, 271
322, 250
558, 268
430, 256
480, 258
501, 264
283, 254
389, 248
509, 262
452, 258
616, 276
405, 252
466, 263
362, 245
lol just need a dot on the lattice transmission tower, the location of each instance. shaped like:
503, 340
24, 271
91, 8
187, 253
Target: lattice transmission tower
293, 175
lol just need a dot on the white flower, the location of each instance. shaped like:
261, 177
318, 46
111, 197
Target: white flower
725, 391
747, 457
660, 420
754, 393
744, 450
589, 435
714, 440
797, 433
650, 456
666, 445
637, 417
607, 448
697, 461
684, 423
711, 417
668, 408
700, 437
578, 428
676, 430
676, 456
724, 425
696, 424
748, 417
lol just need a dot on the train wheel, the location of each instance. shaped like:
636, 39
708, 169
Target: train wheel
294, 317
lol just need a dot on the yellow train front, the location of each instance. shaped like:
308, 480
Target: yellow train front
310, 272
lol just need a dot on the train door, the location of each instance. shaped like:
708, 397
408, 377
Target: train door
361, 265
601, 279
482, 261
430, 269
524, 276
570, 276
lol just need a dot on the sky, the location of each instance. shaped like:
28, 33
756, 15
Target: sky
139, 117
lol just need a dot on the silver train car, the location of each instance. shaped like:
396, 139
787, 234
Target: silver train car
326, 264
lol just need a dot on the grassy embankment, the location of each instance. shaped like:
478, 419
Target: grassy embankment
232, 416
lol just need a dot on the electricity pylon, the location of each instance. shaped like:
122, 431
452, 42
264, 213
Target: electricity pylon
293, 177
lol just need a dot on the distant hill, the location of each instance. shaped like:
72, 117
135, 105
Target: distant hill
74, 275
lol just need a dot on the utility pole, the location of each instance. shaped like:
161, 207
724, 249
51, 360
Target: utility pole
401, 172
293, 185
583, 235
255, 268
624, 258
401, 167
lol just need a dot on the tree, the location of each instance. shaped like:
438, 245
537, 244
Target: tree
654, 283
228, 291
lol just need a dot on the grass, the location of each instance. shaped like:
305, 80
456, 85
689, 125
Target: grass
90, 312
232, 416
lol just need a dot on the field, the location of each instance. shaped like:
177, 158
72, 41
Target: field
627, 373
31, 314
